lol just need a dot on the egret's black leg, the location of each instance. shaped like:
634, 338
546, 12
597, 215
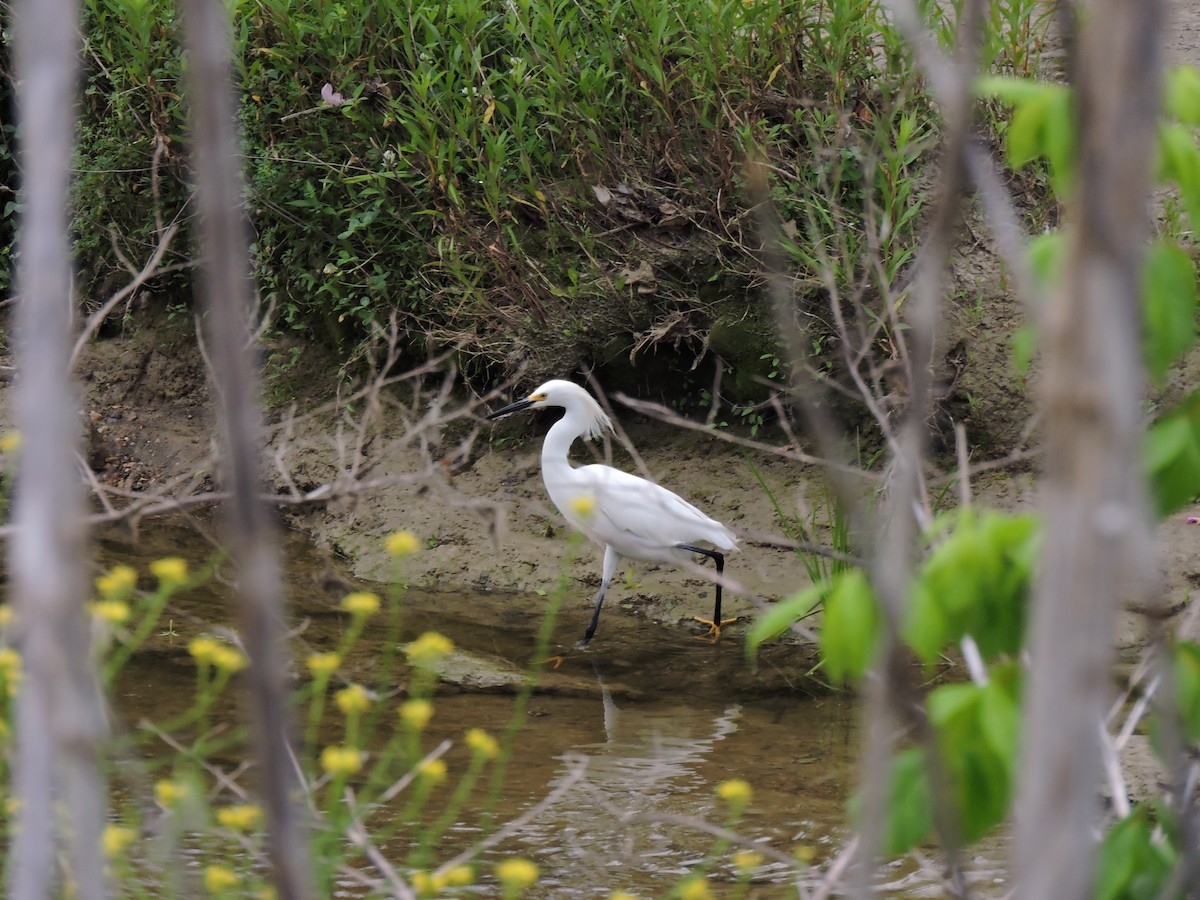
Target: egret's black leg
611, 558
716, 622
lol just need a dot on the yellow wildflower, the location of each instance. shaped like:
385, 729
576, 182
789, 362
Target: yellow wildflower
695, 889
459, 876
482, 743
736, 792
218, 879
113, 611
584, 505
422, 883
227, 659
402, 543
352, 700
416, 713
622, 895
804, 852
429, 649
10, 442
361, 604
341, 760
117, 583
170, 571
433, 771
747, 860
10, 665
240, 817
517, 874
322, 665
116, 838
6, 614
203, 649
168, 792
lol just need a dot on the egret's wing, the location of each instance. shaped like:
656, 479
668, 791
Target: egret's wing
647, 513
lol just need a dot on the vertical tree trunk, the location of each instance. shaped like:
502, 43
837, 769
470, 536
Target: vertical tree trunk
1097, 527
227, 292
60, 718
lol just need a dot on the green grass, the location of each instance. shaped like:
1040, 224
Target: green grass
454, 184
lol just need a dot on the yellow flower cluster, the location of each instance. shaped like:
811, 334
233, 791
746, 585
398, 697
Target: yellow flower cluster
168, 793
10, 442
736, 792
517, 874
116, 838
6, 614
240, 817
482, 743
427, 884
209, 651
341, 760
353, 700
117, 583
170, 571
322, 665
402, 543
10, 668
429, 649
416, 713
219, 878
695, 889
622, 895
112, 611
432, 771
747, 860
361, 604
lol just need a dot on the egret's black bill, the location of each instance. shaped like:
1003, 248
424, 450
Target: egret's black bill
511, 408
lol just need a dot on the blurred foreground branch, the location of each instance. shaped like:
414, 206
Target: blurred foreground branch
60, 716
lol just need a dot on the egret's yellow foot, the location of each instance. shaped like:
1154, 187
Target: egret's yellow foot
714, 628
557, 660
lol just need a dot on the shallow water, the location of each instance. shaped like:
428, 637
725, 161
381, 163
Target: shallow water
657, 717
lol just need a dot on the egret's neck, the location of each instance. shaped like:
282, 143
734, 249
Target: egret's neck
559, 439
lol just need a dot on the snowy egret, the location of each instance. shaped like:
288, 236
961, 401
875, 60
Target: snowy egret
626, 515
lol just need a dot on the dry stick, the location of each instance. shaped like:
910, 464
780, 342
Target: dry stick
564, 787
59, 716
1097, 549
148, 271
227, 290
893, 563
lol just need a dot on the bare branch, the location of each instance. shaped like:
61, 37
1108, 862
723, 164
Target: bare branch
60, 715
1097, 545
226, 287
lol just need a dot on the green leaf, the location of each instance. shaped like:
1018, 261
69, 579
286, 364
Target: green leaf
1024, 345
1131, 862
910, 807
1047, 256
1187, 688
1169, 288
780, 617
850, 631
1027, 130
1183, 94
1179, 161
925, 629
1172, 453
1013, 91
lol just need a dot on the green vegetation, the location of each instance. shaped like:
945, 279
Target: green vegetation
498, 175
975, 578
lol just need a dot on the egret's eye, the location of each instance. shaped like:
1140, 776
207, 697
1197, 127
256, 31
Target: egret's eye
536, 398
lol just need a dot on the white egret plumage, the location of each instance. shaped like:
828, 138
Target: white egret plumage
628, 516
